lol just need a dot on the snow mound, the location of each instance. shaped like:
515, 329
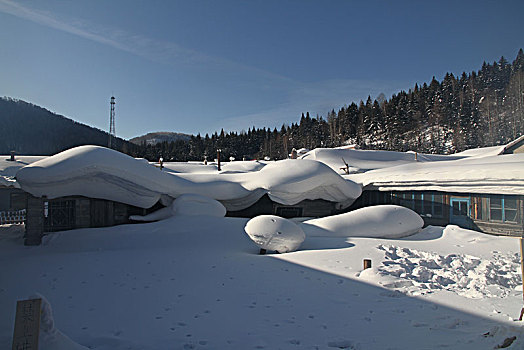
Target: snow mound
50, 337
98, 172
381, 221
194, 204
275, 233
186, 204
420, 272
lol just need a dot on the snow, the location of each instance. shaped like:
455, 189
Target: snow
197, 281
212, 167
50, 337
502, 174
186, 204
365, 160
381, 221
98, 172
272, 232
9, 168
191, 282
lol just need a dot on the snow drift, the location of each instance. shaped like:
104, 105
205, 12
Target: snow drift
380, 221
98, 172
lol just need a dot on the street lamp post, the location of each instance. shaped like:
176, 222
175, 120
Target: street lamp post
218, 158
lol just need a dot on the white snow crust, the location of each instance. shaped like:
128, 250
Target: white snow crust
98, 172
272, 232
381, 221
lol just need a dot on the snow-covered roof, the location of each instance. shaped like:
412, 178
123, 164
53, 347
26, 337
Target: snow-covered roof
365, 160
98, 172
501, 174
9, 168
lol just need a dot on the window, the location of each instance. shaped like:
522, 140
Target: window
289, 212
510, 208
495, 208
418, 197
503, 208
437, 205
425, 203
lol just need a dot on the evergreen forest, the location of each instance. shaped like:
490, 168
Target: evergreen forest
477, 109
482, 108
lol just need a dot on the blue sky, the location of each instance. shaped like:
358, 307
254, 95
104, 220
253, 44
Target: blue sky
199, 66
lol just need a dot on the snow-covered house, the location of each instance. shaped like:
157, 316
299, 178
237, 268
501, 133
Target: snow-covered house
91, 186
485, 193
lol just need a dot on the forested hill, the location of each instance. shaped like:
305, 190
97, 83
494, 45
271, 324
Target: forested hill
476, 109
29, 129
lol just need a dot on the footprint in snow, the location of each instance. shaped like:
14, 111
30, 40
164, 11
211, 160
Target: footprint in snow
343, 344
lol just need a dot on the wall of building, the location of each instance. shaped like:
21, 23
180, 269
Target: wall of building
495, 214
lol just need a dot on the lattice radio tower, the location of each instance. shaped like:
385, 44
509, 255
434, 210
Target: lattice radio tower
112, 132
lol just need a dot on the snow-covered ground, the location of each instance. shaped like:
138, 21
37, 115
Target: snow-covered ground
197, 282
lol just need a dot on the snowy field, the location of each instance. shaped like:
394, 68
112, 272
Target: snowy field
192, 282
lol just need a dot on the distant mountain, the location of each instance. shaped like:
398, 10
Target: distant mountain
30, 129
153, 138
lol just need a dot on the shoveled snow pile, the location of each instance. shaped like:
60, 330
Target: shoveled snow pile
422, 272
98, 172
365, 160
419, 272
272, 232
381, 221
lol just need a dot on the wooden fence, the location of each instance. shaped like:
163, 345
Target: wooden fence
12, 217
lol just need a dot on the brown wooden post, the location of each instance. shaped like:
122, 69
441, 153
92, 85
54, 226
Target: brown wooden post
367, 263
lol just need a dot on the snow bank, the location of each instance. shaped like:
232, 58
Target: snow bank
98, 172
272, 232
381, 221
